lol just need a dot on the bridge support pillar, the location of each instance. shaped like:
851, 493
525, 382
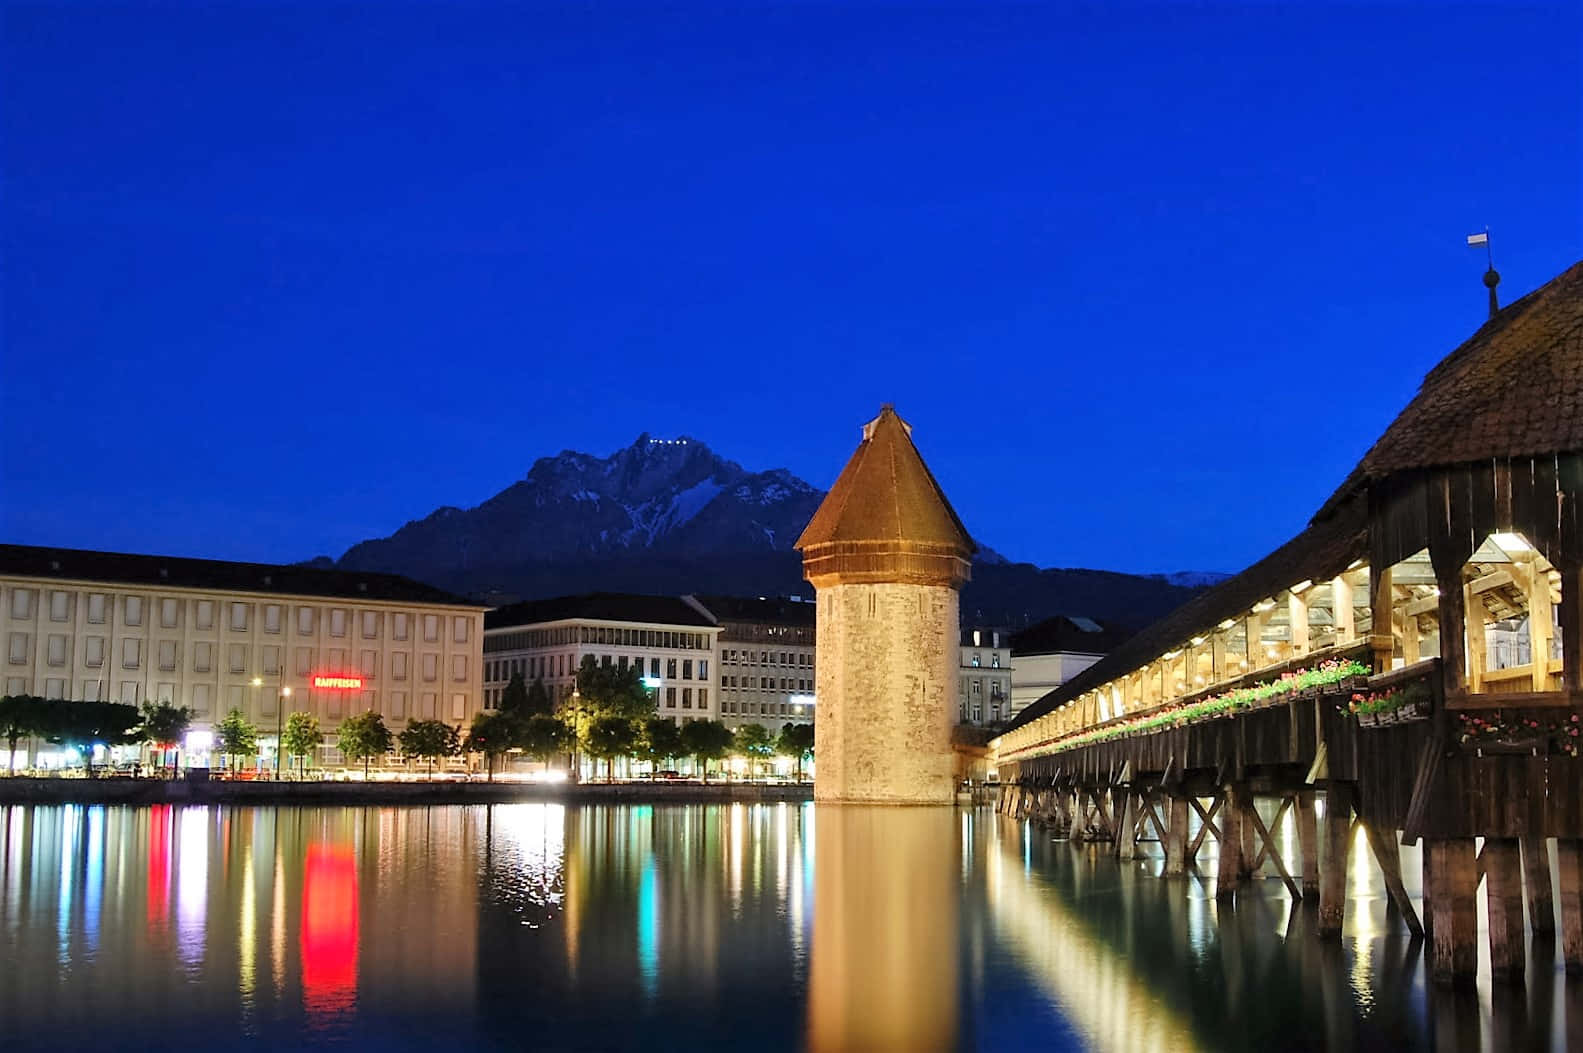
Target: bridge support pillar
1504, 888
1536, 876
1127, 824
1333, 860
1176, 837
1453, 881
1308, 842
1569, 859
1250, 843
1230, 873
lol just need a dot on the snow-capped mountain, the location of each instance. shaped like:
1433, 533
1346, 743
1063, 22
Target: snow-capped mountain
656, 496
669, 516
1192, 579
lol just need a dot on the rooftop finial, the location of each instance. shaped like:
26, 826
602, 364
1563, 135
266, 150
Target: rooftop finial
1492, 277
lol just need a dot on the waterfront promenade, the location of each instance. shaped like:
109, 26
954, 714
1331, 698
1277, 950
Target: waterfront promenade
160, 791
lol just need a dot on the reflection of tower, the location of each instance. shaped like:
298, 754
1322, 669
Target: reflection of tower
884, 969
886, 554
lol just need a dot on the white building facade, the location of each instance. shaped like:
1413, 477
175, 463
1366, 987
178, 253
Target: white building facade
984, 683
215, 636
1049, 654
766, 660
670, 640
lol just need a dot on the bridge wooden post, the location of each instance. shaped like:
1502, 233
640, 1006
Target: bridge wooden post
1251, 866
1230, 872
1453, 878
1176, 838
1333, 860
1536, 875
1127, 824
1569, 860
1308, 842
1504, 891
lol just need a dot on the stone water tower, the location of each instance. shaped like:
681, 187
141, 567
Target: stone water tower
886, 555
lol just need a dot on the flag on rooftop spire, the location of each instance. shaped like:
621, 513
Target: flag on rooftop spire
1479, 239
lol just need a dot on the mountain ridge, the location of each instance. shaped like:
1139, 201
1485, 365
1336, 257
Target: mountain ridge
673, 516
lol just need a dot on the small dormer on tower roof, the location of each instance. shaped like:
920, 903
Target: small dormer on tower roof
886, 518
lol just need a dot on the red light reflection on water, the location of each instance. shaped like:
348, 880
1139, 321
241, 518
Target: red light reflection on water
160, 818
329, 932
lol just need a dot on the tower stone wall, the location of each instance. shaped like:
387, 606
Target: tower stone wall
886, 689
886, 555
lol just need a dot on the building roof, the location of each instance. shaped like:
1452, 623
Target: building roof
120, 568
1514, 389
886, 493
1063, 635
771, 611
1322, 551
600, 606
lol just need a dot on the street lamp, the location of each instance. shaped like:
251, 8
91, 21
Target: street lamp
577, 735
280, 719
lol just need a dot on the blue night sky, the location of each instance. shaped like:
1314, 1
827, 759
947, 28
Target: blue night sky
1147, 280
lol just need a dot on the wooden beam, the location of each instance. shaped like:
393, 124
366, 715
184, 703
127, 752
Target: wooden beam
1389, 858
1453, 631
1473, 611
1536, 876
1176, 839
1381, 625
1207, 825
1230, 873
1569, 864
1341, 600
1572, 629
1504, 898
1274, 854
1297, 619
1333, 860
1454, 952
1308, 842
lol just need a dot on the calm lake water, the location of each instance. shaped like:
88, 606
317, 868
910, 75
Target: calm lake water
754, 927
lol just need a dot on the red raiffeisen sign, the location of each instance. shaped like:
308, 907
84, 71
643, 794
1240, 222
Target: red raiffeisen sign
339, 683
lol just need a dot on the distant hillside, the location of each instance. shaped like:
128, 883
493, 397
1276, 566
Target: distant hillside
671, 516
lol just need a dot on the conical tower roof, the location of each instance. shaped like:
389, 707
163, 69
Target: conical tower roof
1514, 389
886, 518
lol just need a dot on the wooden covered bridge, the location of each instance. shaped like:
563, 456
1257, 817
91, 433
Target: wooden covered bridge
1413, 660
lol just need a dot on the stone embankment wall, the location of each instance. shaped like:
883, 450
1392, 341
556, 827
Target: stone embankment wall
155, 791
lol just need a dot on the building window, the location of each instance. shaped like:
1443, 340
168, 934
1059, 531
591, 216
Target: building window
134, 610
239, 617
272, 618
431, 667
56, 651
370, 625
654, 667
337, 621
167, 655
96, 608
994, 660
131, 654
55, 687
236, 655
369, 664
458, 629
458, 706
398, 704
459, 667
687, 669
398, 625
431, 628
200, 699
206, 614
670, 669
59, 606
18, 651
169, 612
703, 698
687, 698
93, 651
670, 698
304, 661
398, 666
271, 660
703, 669
304, 621
21, 603
976, 662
